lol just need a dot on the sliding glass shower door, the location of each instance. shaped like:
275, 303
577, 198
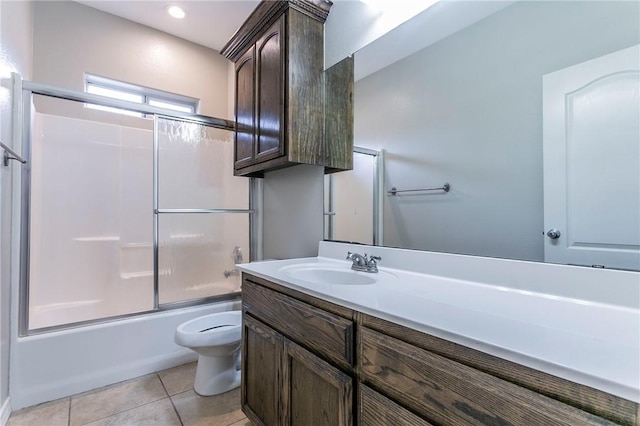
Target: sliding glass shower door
126, 215
203, 220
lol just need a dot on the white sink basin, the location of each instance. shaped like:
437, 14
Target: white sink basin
313, 273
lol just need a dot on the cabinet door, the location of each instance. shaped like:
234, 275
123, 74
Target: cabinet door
270, 76
314, 393
262, 350
245, 110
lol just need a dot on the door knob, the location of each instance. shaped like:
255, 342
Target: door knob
553, 234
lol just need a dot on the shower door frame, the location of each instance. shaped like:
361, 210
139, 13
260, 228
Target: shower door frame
378, 208
23, 91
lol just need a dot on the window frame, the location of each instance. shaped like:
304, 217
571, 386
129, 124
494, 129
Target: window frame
171, 101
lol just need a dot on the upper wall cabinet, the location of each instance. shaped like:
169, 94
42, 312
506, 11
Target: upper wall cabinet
282, 92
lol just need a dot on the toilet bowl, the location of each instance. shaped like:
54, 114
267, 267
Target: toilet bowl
216, 339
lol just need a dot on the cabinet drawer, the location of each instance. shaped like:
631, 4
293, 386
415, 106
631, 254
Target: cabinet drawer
326, 334
376, 410
447, 392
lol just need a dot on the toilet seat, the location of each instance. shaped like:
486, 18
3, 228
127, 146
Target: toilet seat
215, 329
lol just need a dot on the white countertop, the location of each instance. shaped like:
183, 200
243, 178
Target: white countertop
580, 339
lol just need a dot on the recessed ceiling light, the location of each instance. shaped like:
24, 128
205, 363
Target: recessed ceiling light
176, 11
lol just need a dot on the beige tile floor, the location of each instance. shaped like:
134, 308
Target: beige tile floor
165, 398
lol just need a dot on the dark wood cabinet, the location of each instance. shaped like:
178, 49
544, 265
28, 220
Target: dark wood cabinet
315, 393
262, 350
447, 392
245, 110
307, 361
259, 98
449, 373
291, 359
269, 81
280, 91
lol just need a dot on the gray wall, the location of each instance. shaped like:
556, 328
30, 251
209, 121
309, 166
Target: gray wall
467, 110
16, 24
293, 212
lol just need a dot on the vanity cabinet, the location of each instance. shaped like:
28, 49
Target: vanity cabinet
447, 383
296, 361
447, 392
307, 361
280, 91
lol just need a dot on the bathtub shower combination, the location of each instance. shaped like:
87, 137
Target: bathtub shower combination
135, 218
92, 241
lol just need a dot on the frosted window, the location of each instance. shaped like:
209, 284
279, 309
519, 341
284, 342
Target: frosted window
141, 95
171, 105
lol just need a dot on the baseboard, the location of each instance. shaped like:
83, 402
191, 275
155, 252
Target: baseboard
6, 412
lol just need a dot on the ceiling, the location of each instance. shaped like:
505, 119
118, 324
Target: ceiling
202, 25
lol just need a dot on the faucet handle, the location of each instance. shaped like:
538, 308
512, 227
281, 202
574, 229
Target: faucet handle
372, 260
372, 265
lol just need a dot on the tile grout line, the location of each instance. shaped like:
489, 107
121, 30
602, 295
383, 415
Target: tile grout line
123, 411
162, 383
171, 400
177, 412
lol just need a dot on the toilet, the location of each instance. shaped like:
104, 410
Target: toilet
216, 338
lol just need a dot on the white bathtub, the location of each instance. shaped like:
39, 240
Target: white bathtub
54, 365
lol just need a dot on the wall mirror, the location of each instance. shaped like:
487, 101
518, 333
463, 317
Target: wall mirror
356, 195
531, 113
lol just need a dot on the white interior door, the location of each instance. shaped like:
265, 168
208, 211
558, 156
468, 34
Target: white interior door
592, 162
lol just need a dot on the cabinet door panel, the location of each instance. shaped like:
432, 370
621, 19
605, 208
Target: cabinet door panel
261, 358
245, 110
314, 392
270, 91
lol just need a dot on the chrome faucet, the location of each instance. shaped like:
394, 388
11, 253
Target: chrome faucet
363, 263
